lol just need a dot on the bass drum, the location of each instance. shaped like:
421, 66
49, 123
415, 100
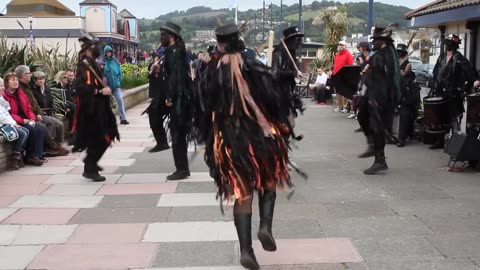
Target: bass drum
436, 115
473, 115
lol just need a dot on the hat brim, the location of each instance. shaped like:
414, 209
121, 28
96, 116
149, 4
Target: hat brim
294, 35
170, 30
382, 38
89, 44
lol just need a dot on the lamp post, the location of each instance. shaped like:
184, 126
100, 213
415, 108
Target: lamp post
30, 20
300, 16
370, 16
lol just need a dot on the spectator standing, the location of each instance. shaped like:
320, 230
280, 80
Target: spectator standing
113, 72
342, 58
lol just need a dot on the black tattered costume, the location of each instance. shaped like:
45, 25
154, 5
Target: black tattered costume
180, 93
244, 127
452, 79
95, 123
382, 95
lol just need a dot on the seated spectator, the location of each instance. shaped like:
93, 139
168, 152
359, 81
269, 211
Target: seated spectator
52, 148
320, 87
6, 119
61, 79
21, 112
43, 96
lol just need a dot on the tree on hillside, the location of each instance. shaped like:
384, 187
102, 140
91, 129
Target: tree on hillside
335, 22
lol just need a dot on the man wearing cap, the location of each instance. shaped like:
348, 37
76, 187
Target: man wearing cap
410, 97
342, 58
453, 75
243, 126
382, 94
178, 96
95, 122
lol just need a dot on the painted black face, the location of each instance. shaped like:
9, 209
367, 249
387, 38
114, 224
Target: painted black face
96, 51
377, 44
295, 43
450, 46
165, 38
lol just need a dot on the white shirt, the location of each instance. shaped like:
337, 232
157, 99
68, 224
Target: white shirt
322, 79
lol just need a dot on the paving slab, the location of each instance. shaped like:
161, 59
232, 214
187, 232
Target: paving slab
6, 201
130, 201
107, 162
17, 257
190, 232
33, 201
106, 170
383, 226
41, 216
200, 187
406, 247
313, 195
425, 264
41, 171
22, 179
187, 254
360, 209
79, 179
100, 256
43, 234
188, 199
120, 215
457, 244
72, 189
108, 233
435, 207
8, 234
309, 251
133, 189
20, 190
448, 224
418, 192
198, 213
6, 212
142, 178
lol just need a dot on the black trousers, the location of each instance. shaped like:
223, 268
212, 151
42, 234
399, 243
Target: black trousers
375, 137
179, 144
155, 118
94, 154
321, 93
408, 114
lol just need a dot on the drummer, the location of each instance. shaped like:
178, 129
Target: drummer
453, 75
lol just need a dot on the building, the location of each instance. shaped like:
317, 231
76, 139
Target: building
460, 17
48, 24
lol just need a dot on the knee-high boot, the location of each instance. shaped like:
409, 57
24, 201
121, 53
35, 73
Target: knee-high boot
243, 223
266, 205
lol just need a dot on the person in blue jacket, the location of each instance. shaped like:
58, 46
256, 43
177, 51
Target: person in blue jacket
113, 72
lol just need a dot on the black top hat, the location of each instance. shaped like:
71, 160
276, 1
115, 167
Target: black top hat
87, 41
382, 34
454, 38
402, 47
171, 28
293, 31
227, 32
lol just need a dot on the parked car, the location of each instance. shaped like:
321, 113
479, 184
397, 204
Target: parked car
424, 74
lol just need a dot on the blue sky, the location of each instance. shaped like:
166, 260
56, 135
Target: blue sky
154, 8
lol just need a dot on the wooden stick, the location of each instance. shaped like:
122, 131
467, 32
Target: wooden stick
290, 56
270, 47
94, 73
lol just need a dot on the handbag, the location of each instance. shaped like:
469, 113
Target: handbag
9, 132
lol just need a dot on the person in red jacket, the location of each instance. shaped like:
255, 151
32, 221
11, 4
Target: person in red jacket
21, 111
342, 58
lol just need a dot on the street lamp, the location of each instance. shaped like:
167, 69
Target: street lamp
30, 19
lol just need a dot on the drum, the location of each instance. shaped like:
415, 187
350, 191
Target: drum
436, 115
473, 115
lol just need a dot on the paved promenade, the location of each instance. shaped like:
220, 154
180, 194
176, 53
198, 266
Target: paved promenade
417, 216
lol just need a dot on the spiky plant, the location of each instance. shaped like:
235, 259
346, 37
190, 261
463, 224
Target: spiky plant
336, 23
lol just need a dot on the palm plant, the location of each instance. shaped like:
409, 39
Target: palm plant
336, 26
13, 55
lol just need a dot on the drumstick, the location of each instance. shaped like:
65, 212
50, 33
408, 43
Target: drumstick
85, 61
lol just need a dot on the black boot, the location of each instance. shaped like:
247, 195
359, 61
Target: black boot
370, 152
401, 143
379, 165
243, 223
266, 205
